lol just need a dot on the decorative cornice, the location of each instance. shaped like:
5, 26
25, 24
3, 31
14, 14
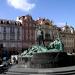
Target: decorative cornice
10, 22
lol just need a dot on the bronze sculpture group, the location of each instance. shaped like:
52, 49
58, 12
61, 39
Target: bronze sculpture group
55, 46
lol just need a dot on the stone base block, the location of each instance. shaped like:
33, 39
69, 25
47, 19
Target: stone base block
49, 60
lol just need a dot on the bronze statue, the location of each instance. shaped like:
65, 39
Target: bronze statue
40, 37
55, 46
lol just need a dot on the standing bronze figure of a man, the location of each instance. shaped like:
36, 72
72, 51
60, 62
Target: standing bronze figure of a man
40, 37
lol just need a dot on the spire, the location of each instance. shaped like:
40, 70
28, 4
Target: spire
66, 23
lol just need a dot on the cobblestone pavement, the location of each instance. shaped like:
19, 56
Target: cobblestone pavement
21, 70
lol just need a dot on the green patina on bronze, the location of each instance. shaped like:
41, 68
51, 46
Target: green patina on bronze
55, 46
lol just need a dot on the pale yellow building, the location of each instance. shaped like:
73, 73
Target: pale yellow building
22, 33
68, 38
11, 35
67, 33
50, 30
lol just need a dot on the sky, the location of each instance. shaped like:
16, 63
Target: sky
60, 11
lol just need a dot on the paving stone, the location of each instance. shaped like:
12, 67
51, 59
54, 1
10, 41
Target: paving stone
15, 70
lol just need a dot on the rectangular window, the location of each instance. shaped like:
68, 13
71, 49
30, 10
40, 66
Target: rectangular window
4, 33
12, 29
4, 37
12, 33
18, 34
26, 34
4, 29
0, 29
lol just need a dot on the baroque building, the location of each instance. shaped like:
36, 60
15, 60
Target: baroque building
21, 34
28, 26
47, 27
11, 35
67, 34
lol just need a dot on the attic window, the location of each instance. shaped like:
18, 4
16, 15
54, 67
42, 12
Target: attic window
7, 22
1, 22
43, 19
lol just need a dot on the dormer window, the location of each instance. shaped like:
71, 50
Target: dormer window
7, 22
43, 19
1, 22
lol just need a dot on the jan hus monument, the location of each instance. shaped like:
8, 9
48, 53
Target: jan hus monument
50, 56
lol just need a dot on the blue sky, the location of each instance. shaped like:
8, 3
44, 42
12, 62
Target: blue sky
60, 11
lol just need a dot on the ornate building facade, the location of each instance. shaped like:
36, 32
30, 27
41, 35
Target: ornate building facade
67, 34
68, 38
48, 29
11, 35
18, 35
28, 25
22, 33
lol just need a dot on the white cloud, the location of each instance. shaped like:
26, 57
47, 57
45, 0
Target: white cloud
23, 5
61, 24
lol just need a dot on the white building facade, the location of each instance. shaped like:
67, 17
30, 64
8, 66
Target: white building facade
11, 34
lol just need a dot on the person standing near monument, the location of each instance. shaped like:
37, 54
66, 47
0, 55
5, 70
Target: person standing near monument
40, 37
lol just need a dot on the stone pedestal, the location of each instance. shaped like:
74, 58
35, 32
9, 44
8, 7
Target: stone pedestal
49, 60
